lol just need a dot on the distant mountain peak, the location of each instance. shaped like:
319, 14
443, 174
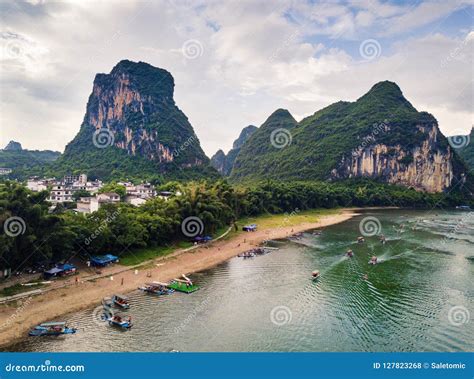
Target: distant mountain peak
388, 95
224, 163
281, 114
244, 136
13, 146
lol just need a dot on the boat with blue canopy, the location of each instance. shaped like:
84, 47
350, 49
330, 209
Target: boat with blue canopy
51, 329
121, 301
156, 288
120, 320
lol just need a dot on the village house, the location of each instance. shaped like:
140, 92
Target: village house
62, 191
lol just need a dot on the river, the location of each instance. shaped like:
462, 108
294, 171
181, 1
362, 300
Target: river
419, 297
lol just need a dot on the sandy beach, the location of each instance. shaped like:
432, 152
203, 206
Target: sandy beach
16, 319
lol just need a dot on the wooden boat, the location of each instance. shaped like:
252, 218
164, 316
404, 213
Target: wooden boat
121, 301
156, 288
51, 329
315, 275
120, 320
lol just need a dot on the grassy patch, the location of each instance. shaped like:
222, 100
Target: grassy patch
269, 221
142, 255
18, 288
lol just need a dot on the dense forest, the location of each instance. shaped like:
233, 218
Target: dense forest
31, 233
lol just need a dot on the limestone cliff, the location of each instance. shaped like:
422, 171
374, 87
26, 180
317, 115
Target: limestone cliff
131, 112
426, 167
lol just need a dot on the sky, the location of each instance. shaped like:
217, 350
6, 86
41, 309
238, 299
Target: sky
234, 62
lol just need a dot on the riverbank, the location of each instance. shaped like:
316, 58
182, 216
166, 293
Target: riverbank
17, 319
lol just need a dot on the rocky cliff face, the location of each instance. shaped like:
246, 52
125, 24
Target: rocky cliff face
132, 110
218, 161
425, 167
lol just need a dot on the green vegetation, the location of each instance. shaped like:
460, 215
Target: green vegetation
140, 233
81, 193
114, 187
141, 255
224, 163
18, 288
467, 152
321, 141
27, 162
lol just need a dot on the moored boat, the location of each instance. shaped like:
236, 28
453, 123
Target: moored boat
51, 329
121, 301
156, 288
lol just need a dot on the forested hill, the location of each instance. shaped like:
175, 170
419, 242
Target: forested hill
380, 136
22, 161
133, 128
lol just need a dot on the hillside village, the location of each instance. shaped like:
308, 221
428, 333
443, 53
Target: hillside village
87, 195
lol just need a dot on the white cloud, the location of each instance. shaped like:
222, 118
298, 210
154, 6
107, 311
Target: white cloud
257, 56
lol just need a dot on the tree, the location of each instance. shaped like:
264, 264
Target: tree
81, 193
114, 187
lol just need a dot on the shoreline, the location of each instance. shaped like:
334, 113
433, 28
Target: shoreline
16, 321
